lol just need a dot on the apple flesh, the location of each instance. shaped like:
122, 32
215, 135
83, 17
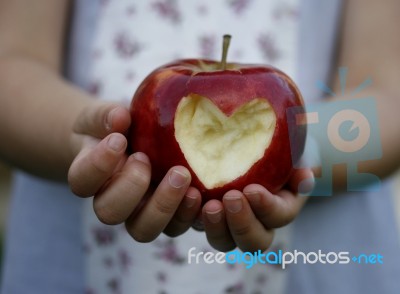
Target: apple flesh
226, 145
227, 126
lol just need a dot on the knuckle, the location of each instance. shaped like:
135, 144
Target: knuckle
242, 230
221, 242
256, 242
164, 206
141, 236
181, 217
91, 117
107, 216
75, 185
224, 247
285, 220
177, 227
100, 163
76, 190
139, 177
255, 248
79, 125
172, 233
282, 219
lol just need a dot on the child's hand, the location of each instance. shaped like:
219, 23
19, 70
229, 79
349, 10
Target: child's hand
246, 220
120, 183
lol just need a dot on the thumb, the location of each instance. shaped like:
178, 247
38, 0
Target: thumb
101, 119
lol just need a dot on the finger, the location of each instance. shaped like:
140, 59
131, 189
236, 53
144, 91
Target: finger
95, 165
216, 228
185, 214
302, 181
155, 215
273, 211
247, 231
124, 191
102, 119
198, 224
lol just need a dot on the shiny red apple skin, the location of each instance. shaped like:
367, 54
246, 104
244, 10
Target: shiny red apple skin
155, 102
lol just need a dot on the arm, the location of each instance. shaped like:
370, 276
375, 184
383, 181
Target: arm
38, 107
370, 47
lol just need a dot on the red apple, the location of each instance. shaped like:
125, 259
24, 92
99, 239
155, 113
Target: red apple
225, 122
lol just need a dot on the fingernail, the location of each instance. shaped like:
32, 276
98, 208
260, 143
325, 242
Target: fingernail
233, 203
214, 216
116, 143
141, 157
109, 119
306, 187
177, 179
253, 196
189, 201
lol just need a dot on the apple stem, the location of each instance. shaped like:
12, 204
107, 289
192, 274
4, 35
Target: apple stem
225, 47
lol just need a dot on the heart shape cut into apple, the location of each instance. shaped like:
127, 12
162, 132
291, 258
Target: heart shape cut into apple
221, 148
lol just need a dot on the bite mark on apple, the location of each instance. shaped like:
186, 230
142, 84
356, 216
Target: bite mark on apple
221, 148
